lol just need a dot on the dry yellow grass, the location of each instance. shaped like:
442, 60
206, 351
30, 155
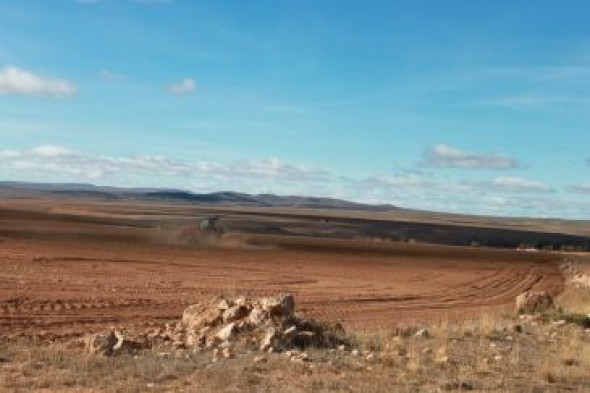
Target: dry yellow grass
496, 352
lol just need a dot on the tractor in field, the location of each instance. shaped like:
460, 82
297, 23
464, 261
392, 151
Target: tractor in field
207, 230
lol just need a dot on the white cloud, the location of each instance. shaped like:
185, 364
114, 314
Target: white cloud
111, 76
512, 185
153, 1
274, 167
579, 188
541, 102
51, 159
186, 86
445, 156
51, 151
14, 80
416, 190
405, 181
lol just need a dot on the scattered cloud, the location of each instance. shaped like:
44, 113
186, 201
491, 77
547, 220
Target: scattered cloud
132, 1
14, 80
186, 86
153, 1
567, 72
404, 180
52, 159
51, 151
445, 156
409, 189
534, 102
579, 188
512, 185
498, 197
112, 76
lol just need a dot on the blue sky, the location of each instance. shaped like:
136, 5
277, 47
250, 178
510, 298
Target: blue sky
464, 106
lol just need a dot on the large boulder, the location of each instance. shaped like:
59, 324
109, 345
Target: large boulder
102, 343
112, 343
533, 302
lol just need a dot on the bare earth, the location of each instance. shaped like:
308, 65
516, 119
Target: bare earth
65, 271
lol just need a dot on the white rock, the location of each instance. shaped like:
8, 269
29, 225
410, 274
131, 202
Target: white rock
260, 359
561, 322
227, 332
234, 313
256, 316
268, 339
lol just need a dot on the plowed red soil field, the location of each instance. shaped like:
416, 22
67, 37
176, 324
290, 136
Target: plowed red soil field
65, 274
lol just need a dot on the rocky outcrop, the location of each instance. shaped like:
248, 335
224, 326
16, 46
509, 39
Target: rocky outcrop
533, 302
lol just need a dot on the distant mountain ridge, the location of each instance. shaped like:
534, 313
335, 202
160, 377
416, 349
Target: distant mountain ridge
83, 190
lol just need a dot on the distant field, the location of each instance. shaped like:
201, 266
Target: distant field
68, 266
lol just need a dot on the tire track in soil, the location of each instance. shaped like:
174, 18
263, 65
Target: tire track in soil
68, 288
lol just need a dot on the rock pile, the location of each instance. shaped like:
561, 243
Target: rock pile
226, 325
533, 302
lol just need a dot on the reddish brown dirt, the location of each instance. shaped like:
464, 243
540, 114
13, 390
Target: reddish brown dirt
66, 275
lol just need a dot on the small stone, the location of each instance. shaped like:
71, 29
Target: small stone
234, 313
497, 358
301, 357
370, 356
342, 348
260, 359
268, 339
223, 304
561, 322
354, 352
227, 353
256, 316
422, 333
290, 332
179, 344
533, 302
241, 301
227, 332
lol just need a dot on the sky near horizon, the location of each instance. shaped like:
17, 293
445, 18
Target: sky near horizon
468, 106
